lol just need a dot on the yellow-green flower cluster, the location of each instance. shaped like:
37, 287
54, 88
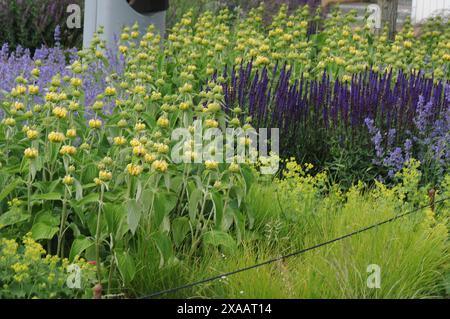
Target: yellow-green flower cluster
27, 272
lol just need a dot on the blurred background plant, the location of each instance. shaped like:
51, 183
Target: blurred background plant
179, 7
32, 23
26, 23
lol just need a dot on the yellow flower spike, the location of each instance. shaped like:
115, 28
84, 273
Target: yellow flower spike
139, 151
134, 170
68, 150
123, 49
186, 88
33, 89
211, 123
214, 107
59, 112
74, 106
156, 96
35, 72
184, 106
95, 124
161, 148
211, 165
262, 60
217, 184
61, 97
234, 168
122, 123
163, 122
149, 158
105, 176
139, 89
246, 141
97, 106
9, 121
120, 140
71, 133
67, 180
160, 166
32, 134
19, 106
110, 91
85, 146
135, 142
140, 127
76, 82
31, 153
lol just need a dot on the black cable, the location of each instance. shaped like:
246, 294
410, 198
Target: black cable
299, 252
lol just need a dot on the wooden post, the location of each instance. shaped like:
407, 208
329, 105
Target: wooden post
432, 197
97, 291
389, 13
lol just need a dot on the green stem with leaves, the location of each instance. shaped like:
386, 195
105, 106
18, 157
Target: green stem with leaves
62, 224
97, 234
199, 230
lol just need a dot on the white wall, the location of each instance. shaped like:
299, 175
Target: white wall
423, 9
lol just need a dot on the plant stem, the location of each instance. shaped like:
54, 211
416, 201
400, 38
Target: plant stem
29, 193
61, 224
97, 235
111, 271
199, 230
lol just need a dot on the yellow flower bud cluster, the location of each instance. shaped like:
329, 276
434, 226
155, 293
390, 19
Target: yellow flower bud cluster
134, 170
160, 166
56, 137
68, 150
31, 153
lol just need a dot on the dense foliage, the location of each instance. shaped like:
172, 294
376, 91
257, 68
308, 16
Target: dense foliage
333, 123
90, 159
26, 23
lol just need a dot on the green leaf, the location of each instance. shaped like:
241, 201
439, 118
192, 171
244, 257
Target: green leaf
47, 217
163, 205
89, 173
239, 221
194, 200
164, 246
78, 190
219, 238
12, 217
115, 216
33, 170
180, 228
126, 266
91, 198
48, 196
79, 245
238, 193
43, 231
134, 212
248, 177
146, 199
9, 188
218, 206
